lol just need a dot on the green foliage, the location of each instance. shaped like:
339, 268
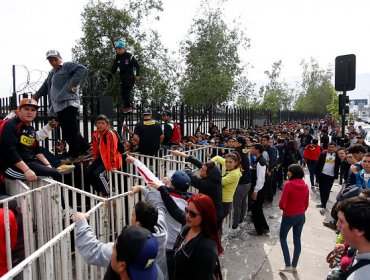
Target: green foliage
317, 89
212, 63
103, 24
276, 95
333, 107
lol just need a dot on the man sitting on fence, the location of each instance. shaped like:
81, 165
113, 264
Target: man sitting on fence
106, 156
20, 155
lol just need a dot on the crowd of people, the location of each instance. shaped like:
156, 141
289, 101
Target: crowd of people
175, 234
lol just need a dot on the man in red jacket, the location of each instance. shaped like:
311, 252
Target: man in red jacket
311, 154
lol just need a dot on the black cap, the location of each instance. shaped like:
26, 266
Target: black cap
166, 113
147, 112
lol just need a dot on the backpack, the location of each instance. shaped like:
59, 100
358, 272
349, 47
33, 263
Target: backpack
176, 134
120, 146
2, 124
338, 274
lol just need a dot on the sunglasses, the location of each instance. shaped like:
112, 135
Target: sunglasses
191, 213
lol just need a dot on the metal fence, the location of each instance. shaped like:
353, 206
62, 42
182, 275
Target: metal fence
48, 233
191, 119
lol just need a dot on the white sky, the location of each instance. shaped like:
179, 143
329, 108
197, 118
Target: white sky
289, 30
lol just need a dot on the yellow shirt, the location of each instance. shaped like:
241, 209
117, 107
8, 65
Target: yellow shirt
230, 180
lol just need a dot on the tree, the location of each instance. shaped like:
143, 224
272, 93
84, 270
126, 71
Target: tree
212, 63
103, 24
333, 107
276, 95
316, 89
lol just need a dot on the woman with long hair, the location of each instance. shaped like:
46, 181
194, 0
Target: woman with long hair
231, 173
198, 245
294, 203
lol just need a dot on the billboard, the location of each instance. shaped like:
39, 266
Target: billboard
358, 101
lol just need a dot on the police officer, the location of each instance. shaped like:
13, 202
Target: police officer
149, 133
129, 71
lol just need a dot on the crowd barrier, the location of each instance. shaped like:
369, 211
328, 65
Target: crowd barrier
48, 231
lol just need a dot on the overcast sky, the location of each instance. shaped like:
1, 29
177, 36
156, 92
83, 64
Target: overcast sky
289, 30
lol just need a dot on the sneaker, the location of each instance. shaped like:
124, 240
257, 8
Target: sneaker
323, 210
234, 231
266, 231
64, 168
288, 269
331, 224
253, 232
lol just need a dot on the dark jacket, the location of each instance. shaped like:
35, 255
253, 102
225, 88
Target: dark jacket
246, 173
167, 131
18, 142
272, 152
210, 186
321, 162
127, 65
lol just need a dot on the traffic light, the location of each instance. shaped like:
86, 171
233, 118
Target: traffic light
343, 104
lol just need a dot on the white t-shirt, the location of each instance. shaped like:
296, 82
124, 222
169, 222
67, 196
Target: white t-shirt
328, 168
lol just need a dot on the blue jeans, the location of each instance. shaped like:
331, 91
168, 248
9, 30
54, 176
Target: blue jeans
287, 223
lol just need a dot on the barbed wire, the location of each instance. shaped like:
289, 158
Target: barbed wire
32, 79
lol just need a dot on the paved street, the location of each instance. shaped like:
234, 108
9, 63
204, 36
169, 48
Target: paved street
249, 257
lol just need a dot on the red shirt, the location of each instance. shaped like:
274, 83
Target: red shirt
294, 199
312, 152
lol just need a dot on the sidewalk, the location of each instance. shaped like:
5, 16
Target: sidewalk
249, 257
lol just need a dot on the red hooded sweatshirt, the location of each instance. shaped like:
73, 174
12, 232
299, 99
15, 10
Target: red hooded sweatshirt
294, 199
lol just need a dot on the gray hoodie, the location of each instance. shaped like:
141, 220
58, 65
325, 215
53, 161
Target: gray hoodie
97, 253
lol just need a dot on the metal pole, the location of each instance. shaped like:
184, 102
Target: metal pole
13, 104
343, 113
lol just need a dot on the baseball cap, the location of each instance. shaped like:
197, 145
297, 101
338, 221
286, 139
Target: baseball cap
147, 112
140, 248
231, 138
359, 136
241, 140
180, 180
28, 101
52, 53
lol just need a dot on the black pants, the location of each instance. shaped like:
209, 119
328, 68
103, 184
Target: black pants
68, 122
269, 187
39, 169
279, 177
259, 219
325, 185
170, 256
126, 88
95, 176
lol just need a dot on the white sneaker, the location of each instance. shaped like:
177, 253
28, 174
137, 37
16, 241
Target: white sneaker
288, 269
234, 231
